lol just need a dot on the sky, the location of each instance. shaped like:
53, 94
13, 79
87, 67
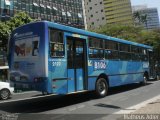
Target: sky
149, 3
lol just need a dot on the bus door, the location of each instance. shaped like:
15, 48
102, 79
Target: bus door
76, 64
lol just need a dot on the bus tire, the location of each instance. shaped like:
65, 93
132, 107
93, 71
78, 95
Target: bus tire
101, 87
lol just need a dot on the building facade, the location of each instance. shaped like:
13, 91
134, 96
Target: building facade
118, 11
94, 14
152, 17
67, 12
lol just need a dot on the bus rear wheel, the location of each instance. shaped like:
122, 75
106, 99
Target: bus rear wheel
101, 87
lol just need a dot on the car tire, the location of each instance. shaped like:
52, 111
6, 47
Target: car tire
4, 94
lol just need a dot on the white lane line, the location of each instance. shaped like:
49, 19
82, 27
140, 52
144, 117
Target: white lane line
135, 107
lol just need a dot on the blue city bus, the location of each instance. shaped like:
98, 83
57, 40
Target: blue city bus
59, 59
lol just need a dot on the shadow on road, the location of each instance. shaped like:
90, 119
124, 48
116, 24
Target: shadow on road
124, 88
43, 104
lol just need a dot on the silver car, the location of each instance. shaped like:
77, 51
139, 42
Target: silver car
5, 90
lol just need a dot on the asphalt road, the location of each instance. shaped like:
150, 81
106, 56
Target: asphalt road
78, 106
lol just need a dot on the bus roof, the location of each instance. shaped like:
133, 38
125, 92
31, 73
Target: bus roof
87, 33
92, 34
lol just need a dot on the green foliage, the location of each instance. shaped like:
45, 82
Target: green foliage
127, 32
7, 27
4, 33
133, 33
140, 18
18, 20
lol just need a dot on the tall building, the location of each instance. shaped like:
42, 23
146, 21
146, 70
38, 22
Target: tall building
152, 17
94, 14
68, 12
118, 11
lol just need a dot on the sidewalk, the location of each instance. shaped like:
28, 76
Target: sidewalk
151, 108
151, 111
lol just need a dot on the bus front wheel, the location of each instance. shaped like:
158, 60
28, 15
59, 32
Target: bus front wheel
101, 87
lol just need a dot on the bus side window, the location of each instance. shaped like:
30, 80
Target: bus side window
125, 52
96, 50
56, 43
111, 50
135, 53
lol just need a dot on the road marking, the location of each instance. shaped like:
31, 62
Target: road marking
135, 107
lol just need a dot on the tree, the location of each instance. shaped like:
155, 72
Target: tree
140, 19
133, 33
18, 20
7, 27
137, 17
128, 32
4, 33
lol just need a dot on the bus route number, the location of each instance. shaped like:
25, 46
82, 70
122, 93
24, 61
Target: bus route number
99, 65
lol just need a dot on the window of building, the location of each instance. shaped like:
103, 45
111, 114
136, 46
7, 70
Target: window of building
7, 3
79, 15
48, 9
68, 14
35, 7
54, 11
